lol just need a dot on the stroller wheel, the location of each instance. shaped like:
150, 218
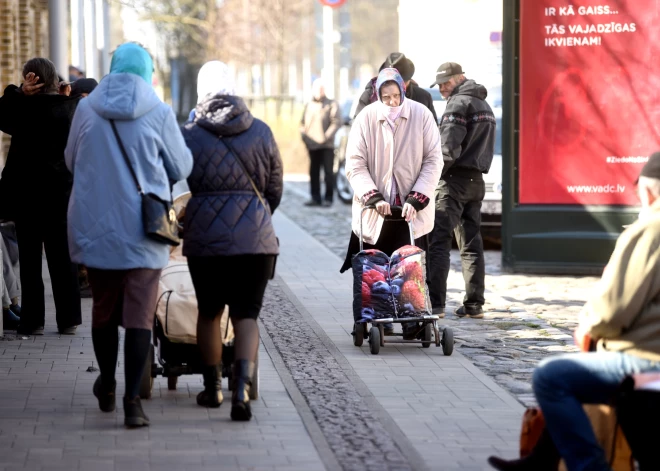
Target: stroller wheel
426, 339
171, 382
447, 341
358, 334
374, 340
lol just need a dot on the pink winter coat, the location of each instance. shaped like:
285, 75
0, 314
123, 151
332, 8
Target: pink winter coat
412, 156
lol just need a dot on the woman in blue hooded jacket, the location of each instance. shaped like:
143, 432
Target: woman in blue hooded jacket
105, 217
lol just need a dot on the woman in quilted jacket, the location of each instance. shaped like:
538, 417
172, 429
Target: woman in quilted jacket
106, 231
229, 239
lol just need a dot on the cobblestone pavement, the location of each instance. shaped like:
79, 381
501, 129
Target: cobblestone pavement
528, 317
356, 437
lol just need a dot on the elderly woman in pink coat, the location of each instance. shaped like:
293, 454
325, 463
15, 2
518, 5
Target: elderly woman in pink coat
394, 159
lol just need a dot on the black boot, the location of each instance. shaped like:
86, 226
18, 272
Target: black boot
212, 394
240, 397
105, 394
544, 457
10, 320
134, 416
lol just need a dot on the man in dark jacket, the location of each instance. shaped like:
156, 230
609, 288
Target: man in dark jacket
467, 128
406, 68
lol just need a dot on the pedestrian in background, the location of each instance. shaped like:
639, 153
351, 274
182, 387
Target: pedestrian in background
106, 232
320, 122
229, 239
406, 68
34, 193
83, 87
468, 143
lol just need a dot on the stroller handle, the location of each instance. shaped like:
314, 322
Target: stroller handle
372, 206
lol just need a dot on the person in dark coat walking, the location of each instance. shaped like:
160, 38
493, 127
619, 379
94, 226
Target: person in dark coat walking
406, 68
34, 193
229, 239
467, 128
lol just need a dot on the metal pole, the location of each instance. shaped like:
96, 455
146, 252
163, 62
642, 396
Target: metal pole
328, 52
91, 51
58, 34
106, 40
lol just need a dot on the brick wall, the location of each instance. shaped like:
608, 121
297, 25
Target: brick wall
23, 35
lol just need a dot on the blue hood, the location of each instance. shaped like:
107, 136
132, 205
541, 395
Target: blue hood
123, 96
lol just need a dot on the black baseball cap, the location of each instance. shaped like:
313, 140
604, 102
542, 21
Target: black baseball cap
652, 168
445, 72
83, 85
400, 62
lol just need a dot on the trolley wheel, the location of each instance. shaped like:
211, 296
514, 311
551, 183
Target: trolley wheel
147, 382
254, 388
374, 340
358, 334
436, 332
428, 333
171, 382
447, 341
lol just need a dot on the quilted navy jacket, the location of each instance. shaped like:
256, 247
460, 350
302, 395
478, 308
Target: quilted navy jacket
224, 215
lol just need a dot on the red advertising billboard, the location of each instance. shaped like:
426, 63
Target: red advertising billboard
589, 99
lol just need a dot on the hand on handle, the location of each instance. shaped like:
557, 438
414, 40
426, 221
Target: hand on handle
409, 213
383, 208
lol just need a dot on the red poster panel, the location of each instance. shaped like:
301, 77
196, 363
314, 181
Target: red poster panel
589, 99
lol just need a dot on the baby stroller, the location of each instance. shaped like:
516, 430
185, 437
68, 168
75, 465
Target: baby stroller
392, 289
174, 350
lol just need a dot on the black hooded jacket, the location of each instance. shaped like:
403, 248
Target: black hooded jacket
35, 177
413, 92
467, 129
224, 215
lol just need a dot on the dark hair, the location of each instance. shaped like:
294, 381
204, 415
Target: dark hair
45, 70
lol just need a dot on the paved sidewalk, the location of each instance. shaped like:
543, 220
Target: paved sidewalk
528, 317
49, 418
454, 415
324, 405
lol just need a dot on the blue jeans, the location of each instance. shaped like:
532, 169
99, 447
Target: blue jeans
563, 383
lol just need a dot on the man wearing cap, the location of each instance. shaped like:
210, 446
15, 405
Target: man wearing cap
467, 128
622, 319
83, 87
406, 68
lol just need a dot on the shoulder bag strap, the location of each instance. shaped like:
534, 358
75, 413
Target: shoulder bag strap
240, 162
125, 155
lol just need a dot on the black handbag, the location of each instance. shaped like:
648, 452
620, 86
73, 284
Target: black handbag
256, 190
158, 216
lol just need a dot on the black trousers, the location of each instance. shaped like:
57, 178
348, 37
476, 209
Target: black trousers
458, 211
322, 158
34, 236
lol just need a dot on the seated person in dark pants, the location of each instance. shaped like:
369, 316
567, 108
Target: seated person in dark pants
623, 318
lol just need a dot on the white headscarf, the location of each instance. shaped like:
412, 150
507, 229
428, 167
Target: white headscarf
214, 78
